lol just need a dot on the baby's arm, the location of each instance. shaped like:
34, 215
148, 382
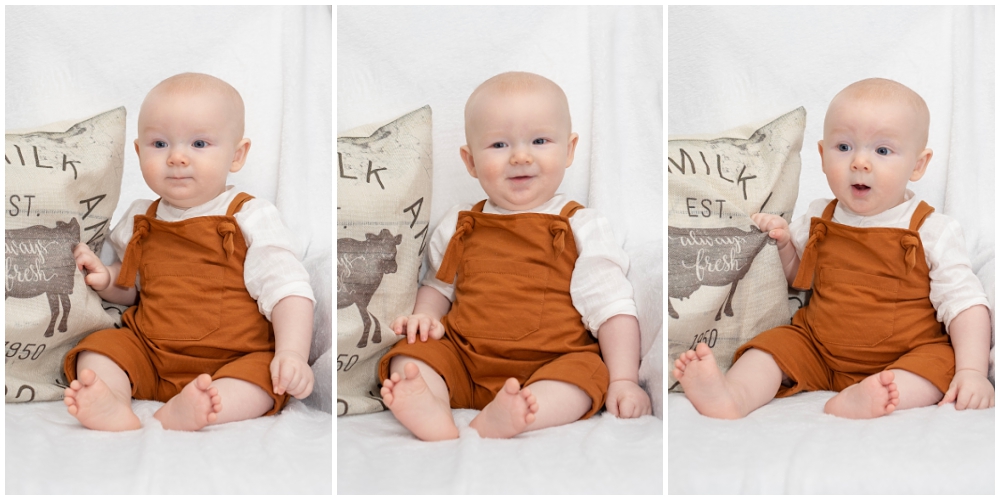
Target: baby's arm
425, 321
777, 228
101, 278
292, 318
619, 340
970, 337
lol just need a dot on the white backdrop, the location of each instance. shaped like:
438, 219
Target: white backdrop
608, 60
734, 65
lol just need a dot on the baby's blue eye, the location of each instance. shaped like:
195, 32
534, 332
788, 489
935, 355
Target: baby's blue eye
159, 144
497, 145
199, 143
882, 151
539, 141
843, 147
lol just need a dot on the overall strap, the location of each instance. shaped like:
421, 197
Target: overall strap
569, 209
828, 211
478, 207
456, 246
237, 203
151, 211
920, 215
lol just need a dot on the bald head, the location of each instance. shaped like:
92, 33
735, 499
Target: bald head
514, 83
200, 83
883, 90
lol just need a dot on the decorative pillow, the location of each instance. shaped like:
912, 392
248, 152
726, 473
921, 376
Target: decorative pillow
725, 281
646, 275
383, 218
62, 186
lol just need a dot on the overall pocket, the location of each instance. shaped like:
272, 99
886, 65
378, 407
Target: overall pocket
849, 308
499, 299
181, 301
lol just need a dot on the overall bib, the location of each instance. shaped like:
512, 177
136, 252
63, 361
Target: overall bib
870, 310
512, 315
194, 313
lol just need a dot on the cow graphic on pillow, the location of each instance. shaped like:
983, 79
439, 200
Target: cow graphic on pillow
710, 257
40, 261
360, 266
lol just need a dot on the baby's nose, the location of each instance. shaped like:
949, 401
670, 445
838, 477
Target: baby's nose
520, 156
861, 163
177, 158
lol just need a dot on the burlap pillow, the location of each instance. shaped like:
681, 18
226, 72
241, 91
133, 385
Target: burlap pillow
62, 186
383, 217
725, 281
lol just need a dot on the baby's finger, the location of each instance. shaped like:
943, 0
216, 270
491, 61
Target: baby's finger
437, 329
948, 396
411, 329
627, 408
962, 400
425, 326
612, 406
397, 325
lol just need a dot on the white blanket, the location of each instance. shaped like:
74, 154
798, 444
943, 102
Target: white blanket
601, 455
74, 62
790, 446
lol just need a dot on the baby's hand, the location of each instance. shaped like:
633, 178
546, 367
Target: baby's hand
969, 389
775, 226
627, 400
97, 276
418, 323
291, 373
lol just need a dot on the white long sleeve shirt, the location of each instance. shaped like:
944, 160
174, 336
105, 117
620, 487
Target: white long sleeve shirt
273, 267
954, 287
598, 286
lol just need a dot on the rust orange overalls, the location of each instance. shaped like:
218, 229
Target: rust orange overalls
512, 315
870, 310
194, 314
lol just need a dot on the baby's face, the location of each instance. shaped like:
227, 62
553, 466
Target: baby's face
520, 145
188, 143
870, 149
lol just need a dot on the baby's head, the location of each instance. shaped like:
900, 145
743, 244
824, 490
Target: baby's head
519, 139
874, 141
190, 138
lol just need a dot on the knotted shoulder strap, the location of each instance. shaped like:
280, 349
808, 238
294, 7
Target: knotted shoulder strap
133, 252
817, 233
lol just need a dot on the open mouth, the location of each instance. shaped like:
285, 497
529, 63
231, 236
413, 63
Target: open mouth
860, 189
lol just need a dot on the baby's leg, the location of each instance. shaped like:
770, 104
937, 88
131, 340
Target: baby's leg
101, 396
882, 393
200, 403
749, 384
515, 410
418, 397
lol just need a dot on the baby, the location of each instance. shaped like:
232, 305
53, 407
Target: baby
214, 271
889, 278
520, 278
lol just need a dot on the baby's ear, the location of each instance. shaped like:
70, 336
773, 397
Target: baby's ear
240, 156
136, 142
921, 167
573, 139
470, 162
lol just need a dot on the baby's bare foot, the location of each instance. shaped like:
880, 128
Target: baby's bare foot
873, 397
197, 405
91, 401
705, 385
510, 412
416, 407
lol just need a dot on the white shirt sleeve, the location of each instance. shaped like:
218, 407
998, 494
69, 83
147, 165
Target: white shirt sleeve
799, 228
122, 233
598, 287
954, 287
273, 268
